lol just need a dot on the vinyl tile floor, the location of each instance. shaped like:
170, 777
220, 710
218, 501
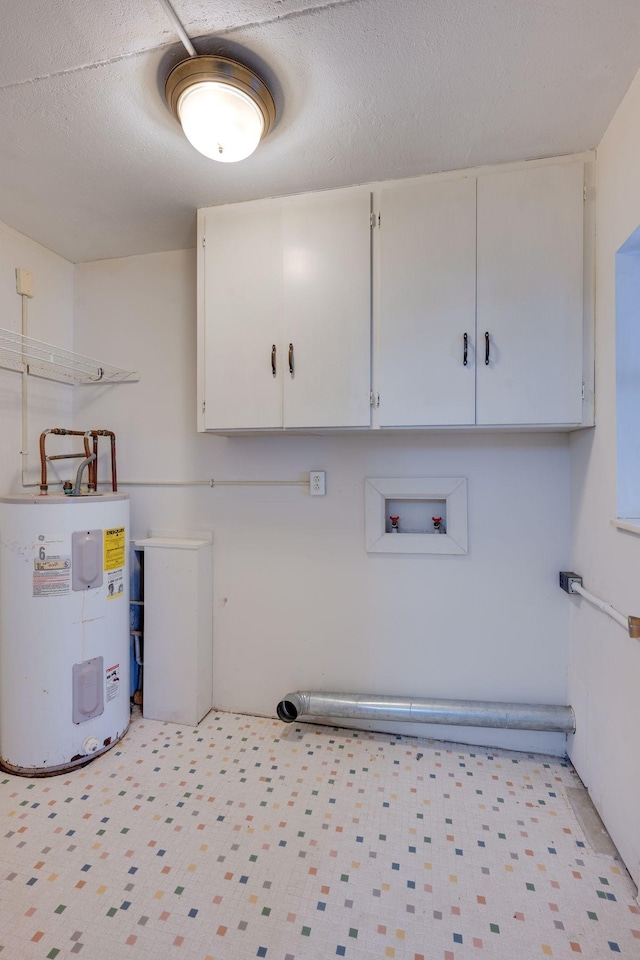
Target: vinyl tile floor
245, 838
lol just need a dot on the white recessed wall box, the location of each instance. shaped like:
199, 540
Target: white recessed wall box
416, 515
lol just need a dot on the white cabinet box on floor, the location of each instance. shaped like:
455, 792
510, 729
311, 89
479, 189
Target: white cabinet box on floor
64, 629
178, 627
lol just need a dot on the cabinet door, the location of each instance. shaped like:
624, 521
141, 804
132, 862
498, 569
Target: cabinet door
427, 289
327, 308
530, 290
243, 316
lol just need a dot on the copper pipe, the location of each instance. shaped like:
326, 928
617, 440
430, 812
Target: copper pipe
43, 465
93, 467
60, 431
92, 474
66, 456
112, 437
114, 477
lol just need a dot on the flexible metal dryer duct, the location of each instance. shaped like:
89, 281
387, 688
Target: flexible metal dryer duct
462, 713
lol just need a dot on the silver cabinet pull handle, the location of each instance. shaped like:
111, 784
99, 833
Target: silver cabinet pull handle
291, 359
273, 360
464, 352
487, 348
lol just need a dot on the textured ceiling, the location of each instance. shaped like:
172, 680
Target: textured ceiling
93, 165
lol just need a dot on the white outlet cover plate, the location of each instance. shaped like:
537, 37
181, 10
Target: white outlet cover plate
317, 483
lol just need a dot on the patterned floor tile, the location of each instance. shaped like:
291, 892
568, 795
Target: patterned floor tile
245, 838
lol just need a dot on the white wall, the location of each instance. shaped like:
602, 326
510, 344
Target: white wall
50, 318
298, 602
604, 677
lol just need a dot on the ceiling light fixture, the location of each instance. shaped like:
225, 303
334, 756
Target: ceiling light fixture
224, 108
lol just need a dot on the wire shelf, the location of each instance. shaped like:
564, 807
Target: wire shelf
41, 359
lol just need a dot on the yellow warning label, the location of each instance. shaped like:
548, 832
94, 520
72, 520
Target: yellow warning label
114, 548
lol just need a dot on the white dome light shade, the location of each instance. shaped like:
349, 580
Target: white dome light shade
225, 109
221, 122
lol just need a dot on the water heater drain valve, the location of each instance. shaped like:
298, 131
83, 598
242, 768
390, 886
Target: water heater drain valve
90, 745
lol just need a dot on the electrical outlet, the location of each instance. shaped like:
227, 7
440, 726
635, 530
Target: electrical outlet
567, 580
317, 483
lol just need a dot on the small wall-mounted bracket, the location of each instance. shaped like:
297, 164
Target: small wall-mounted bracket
24, 282
568, 579
634, 627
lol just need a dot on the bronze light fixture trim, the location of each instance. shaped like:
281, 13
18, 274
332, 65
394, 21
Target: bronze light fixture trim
225, 109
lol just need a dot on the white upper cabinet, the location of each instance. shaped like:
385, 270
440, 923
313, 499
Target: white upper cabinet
327, 309
427, 303
242, 302
478, 282
530, 296
285, 304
